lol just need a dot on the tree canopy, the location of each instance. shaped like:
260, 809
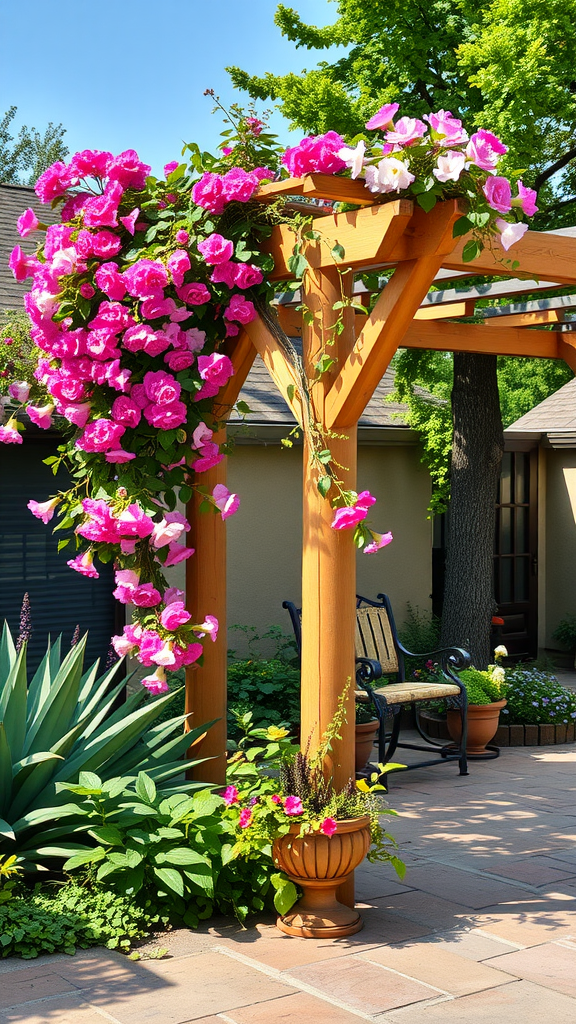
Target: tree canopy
24, 158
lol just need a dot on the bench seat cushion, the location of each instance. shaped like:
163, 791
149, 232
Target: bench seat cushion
400, 693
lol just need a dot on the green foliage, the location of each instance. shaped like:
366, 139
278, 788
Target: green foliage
18, 355
524, 383
60, 723
9, 872
537, 698
420, 631
70, 917
565, 632
22, 160
269, 689
484, 687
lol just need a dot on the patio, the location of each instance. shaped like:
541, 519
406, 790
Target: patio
484, 926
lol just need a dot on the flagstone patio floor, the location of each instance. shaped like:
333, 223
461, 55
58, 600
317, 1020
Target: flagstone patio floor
483, 927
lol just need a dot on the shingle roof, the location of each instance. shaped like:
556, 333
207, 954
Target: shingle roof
557, 412
14, 199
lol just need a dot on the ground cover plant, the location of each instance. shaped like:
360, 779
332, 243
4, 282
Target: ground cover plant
537, 698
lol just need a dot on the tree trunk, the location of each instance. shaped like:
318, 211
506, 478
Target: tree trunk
477, 449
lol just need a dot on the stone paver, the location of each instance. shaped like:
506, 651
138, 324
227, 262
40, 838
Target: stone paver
517, 1003
440, 968
363, 985
552, 965
299, 1007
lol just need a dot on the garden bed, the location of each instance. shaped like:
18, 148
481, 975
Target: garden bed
508, 735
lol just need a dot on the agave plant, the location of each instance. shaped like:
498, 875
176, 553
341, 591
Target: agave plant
63, 723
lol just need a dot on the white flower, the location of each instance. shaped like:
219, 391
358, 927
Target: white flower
510, 233
390, 175
500, 651
498, 674
354, 158
450, 166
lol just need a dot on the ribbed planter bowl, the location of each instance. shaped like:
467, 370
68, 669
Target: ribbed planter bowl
318, 864
482, 725
365, 737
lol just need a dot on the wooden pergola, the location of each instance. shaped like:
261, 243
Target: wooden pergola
421, 248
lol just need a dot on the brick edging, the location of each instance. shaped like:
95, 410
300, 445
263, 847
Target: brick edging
513, 735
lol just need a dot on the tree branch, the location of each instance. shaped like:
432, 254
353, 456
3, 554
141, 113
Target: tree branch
548, 172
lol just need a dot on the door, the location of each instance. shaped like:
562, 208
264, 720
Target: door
515, 553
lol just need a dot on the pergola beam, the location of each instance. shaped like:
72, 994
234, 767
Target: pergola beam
278, 366
535, 254
481, 338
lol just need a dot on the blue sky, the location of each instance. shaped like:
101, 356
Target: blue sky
125, 74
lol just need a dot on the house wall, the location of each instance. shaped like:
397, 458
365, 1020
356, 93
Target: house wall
560, 568
264, 537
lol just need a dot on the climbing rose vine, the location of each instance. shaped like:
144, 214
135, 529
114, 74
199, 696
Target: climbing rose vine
133, 295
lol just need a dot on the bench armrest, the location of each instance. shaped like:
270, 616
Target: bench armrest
452, 660
367, 671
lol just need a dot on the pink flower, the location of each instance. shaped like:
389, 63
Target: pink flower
177, 553
174, 615
122, 645
510, 233
238, 185
498, 193
119, 456
41, 415
224, 500
383, 118
201, 435
128, 169
245, 817
125, 411
450, 166
276, 799
209, 455
89, 163
113, 316
293, 806
178, 263
22, 266
328, 826
484, 149
101, 525
133, 522
102, 211
173, 594
254, 124
350, 515
240, 309
315, 153
209, 626
87, 291
216, 249
224, 273
168, 168
207, 193
129, 221
165, 533
110, 281
186, 655
406, 131
447, 127
146, 596
19, 389
9, 434
156, 683
146, 277
27, 223
380, 541
43, 510
194, 294
179, 360
161, 387
526, 199
142, 338
100, 436
84, 564
104, 244
53, 182
230, 796
166, 417
215, 369
126, 583
182, 237
247, 275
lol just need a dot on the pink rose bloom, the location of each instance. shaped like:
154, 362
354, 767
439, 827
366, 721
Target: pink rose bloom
146, 596
293, 806
22, 266
178, 263
87, 291
101, 525
126, 412
41, 415
510, 233
110, 281
166, 417
129, 221
156, 683
84, 564
76, 414
328, 826
230, 796
165, 533
168, 168
238, 185
182, 237
128, 169
104, 244
73, 206
116, 377
224, 500
58, 236
247, 275
449, 128
276, 799
350, 515
19, 390
173, 594
101, 344
138, 395
174, 615
216, 249
27, 223
406, 131
380, 541
498, 193
102, 211
201, 435
142, 338
215, 369
207, 193
9, 434
100, 436
53, 182
122, 645
194, 294
316, 153
383, 118
245, 817
224, 273
133, 522
232, 330
526, 199
43, 510
240, 309
119, 456
209, 455
89, 163
179, 360
161, 387
255, 125
146, 277
484, 149
450, 166
113, 316
177, 553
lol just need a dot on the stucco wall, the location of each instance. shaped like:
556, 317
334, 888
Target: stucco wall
560, 567
264, 537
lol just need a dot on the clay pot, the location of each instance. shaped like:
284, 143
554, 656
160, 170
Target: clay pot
318, 864
482, 725
365, 736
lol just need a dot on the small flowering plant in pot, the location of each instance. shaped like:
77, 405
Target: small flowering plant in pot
316, 834
486, 698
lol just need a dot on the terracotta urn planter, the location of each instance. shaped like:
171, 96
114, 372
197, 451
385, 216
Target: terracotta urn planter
318, 864
365, 737
482, 725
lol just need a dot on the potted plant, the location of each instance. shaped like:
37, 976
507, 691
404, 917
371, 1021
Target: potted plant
317, 835
565, 634
366, 729
486, 699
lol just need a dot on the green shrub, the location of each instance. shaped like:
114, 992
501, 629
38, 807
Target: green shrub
565, 633
537, 698
269, 689
484, 687
420, 631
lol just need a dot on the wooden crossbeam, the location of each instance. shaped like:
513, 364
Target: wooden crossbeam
319, 186
242, 353
567, 349
537, 254
540, 316
481, 338
278, 366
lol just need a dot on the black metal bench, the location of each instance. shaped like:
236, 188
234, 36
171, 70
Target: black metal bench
379, 653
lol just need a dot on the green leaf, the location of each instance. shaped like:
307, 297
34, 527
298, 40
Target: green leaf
286, 893
470, 251
171, 879
338, 252
325, 363
243, 408
462, 226
63, 543
291, 391
107, 834
181, 856
90, 781
427, 200
324, 484
89, 857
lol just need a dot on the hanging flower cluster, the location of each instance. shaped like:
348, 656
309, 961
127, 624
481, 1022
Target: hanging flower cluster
430, 161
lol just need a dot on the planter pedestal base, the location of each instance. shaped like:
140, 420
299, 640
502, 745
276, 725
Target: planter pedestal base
319, 915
